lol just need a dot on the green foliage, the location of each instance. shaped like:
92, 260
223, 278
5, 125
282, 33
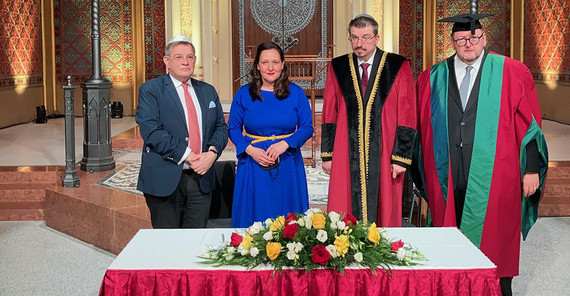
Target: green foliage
347, 244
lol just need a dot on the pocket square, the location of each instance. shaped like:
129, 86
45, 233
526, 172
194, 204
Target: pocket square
212, 104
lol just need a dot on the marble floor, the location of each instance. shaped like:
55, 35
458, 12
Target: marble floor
32, 144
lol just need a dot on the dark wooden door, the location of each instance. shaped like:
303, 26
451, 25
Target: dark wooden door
302, 27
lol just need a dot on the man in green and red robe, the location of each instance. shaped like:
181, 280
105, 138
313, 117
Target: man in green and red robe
483, 155
368, 129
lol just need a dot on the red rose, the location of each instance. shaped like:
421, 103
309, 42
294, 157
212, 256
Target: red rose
320, 254
348, 219
291, 217
290, 230
397, 245
236, 240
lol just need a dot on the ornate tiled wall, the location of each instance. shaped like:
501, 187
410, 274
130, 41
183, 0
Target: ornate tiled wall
547, 39
20, 43
496, 27
73, 39
154, 38
411, 33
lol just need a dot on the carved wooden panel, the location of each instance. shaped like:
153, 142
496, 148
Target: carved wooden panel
303, 27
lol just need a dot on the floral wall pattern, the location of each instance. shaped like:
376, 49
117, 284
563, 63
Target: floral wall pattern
73, 39
547, 39
497, 27
21, 61
154, 38
411, 33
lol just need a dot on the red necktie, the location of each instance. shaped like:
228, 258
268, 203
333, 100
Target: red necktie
193, 126
364, 77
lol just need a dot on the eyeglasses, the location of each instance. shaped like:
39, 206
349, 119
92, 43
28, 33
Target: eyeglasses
364, 39
473, 40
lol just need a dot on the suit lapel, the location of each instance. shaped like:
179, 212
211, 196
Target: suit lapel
169, 85
453, 88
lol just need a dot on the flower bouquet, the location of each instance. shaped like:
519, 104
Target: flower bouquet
315, 239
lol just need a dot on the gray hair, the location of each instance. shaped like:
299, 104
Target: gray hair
363, 20
172, 44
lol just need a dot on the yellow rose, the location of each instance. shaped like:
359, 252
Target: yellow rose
341, 244
277, 224
247, 241
373, 233
273, 250
318, 221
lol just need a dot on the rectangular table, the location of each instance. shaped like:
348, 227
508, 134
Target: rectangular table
165, 262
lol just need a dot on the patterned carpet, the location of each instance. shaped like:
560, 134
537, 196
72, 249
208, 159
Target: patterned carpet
127, 162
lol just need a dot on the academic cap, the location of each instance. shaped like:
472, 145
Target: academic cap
465, 21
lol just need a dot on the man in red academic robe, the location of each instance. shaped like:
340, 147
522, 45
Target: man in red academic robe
484, 157
369, 116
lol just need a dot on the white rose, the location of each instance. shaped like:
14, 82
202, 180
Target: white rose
310, 212
291, 246
308, 222
301, 222
255, 228
268, 236
334, 216
322, 236
332, 250
384, 233
409, 254
334, 226
229, 257
231, 250
341, 225
243, 251
291, 255
358, 257
268, 222
298, 247
401, 254
214, 255
254, 251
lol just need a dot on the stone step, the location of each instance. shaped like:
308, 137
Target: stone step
23, 192
557, 187
559, 169
22, 201
47, 177
35, 214
556, 199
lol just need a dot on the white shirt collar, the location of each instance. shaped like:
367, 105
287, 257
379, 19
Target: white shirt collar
370, 60
460, 65
177, 82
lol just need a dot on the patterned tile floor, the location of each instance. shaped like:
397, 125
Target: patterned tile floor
127, 161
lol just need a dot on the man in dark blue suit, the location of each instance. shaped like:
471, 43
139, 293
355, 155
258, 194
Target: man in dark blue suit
184, 132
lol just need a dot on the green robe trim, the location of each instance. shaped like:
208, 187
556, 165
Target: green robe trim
529, 205
484, 147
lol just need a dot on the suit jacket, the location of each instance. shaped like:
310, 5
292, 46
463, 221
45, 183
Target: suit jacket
462, 125
163, 128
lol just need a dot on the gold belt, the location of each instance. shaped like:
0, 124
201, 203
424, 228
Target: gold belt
270, 138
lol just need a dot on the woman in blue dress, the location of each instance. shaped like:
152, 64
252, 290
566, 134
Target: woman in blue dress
270, 120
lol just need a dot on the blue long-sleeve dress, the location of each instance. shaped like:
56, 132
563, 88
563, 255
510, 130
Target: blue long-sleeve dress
259, 193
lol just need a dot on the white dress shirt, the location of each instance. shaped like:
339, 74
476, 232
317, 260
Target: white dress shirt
369, 61
461, 71
180, 91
